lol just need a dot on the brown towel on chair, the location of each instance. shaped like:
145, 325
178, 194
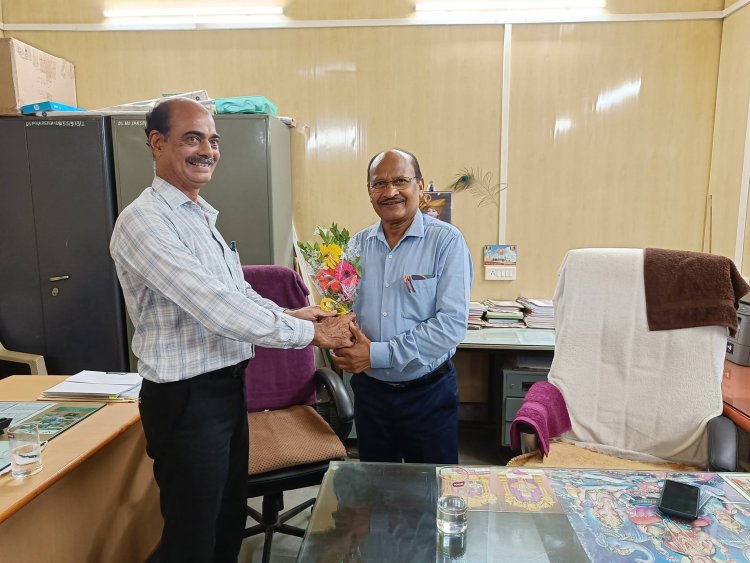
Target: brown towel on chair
686, 289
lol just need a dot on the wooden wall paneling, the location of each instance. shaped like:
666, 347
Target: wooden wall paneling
733, 96
435, 92
632, 173
649, 6
63, 11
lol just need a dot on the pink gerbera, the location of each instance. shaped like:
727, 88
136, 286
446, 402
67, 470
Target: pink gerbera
346, 274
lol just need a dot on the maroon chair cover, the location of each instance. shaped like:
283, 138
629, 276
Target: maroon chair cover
277, 378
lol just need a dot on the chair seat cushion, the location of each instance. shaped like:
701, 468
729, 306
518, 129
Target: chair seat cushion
563, 454
287, 437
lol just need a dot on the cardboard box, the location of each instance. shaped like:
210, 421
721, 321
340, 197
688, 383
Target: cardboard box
29, 76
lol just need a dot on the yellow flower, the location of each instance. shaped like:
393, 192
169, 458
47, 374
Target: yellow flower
328, 304
330, 254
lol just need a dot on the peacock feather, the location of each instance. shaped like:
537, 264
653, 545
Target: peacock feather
464, 180
479, 184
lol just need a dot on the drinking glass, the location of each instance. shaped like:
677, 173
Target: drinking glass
25, 450
452, 505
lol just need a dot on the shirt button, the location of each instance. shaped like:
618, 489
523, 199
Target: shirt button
387, 284
390, 256
385, 314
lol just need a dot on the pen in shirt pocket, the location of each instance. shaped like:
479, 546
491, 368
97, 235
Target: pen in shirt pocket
410, 278
233, 248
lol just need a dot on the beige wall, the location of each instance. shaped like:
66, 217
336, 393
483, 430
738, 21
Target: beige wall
635, 174
629, 174
732, 102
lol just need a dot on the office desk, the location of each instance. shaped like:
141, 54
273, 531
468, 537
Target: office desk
735, 388
480, 361
95, 499
386, 512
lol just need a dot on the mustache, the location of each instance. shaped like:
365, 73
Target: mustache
201, 160
396, 199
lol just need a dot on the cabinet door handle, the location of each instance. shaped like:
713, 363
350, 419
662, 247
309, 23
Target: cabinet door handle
59, 278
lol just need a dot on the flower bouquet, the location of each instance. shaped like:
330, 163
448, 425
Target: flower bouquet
335, 268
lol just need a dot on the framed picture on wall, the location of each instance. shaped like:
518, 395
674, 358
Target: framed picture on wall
437, 205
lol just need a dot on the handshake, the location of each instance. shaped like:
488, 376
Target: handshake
331, 330
334, 332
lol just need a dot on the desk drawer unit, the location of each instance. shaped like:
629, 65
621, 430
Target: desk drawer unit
516, 383
511, 406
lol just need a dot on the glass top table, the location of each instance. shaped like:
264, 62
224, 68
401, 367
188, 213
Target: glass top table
386, 513
383, 512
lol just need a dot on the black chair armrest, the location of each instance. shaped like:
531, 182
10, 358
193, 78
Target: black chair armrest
341, 400
722, 445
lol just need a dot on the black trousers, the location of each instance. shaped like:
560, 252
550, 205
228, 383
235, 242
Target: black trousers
417, 424
196, 433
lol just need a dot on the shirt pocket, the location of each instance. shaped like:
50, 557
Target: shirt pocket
419, 305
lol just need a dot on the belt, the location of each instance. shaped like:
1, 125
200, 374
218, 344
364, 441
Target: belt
237, 370
431, 377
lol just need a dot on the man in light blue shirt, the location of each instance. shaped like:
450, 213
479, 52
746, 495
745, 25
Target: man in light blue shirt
412, 310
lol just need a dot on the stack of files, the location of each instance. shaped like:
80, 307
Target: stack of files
96, 385
476, 312
540, 313
505, 314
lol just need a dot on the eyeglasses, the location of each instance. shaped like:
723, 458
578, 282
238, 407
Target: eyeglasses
400, 184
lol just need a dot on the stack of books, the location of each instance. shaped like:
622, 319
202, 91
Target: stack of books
506, 314
476, 312
539, 313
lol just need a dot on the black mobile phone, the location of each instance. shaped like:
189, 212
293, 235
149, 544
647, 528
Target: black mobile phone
680, 499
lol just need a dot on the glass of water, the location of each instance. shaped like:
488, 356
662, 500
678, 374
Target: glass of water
25, 450
453, 500
451, 548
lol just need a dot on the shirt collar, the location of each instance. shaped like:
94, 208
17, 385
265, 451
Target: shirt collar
416, 229
175, 198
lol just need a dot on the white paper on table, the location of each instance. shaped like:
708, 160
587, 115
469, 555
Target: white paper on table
106, 377
73, 388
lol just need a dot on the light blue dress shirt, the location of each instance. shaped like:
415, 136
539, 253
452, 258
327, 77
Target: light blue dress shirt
412, 333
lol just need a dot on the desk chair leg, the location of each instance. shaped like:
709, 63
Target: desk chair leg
267, 545
270, 521
291, 514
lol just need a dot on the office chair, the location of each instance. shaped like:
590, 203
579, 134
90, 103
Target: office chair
34, 361
642, 395
292, 436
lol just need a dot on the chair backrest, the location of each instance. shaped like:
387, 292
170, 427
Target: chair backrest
636, 391
277, 378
